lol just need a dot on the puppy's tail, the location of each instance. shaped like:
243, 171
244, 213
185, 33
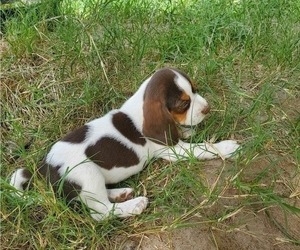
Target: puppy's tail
20, 179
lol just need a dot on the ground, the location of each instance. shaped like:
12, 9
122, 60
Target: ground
64, 63
249, 228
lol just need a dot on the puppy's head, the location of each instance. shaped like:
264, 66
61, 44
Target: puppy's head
170, 99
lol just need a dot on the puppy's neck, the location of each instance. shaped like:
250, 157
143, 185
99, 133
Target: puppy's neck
134, 111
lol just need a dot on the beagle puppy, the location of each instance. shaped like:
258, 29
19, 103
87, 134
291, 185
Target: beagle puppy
118, 145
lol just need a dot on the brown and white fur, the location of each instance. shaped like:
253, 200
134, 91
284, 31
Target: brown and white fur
116, 146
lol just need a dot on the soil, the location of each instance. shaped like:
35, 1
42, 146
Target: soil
252, 227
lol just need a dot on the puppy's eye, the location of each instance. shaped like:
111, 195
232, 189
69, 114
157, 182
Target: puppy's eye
183, 105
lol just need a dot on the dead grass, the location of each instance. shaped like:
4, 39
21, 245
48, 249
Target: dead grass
60, 71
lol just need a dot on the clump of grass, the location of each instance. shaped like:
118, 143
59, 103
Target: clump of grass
65, 63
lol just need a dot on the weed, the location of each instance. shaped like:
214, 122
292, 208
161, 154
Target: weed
64, 63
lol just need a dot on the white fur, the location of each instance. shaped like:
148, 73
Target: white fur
72, 159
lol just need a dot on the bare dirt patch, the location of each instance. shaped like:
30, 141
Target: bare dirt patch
250, 226
256, 232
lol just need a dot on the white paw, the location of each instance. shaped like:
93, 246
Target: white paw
131, 207
227, 148
124, 209
140, 204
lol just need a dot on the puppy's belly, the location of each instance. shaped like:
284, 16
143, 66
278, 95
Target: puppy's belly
118, 174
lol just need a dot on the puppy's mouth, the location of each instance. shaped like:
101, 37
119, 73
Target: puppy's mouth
204, 114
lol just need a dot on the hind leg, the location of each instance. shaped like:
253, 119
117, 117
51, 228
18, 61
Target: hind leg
96, 197
101, 207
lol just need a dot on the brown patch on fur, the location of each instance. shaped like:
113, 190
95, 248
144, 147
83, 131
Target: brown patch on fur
159, 126
185, 97
77, 136
160, 97
179, 117
126, 127
109, 153
60, 184
28, 175
124, 197
181, 107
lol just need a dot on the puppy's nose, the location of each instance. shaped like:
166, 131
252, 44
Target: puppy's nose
205, 110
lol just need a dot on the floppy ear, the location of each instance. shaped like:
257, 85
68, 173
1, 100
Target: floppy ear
159, 125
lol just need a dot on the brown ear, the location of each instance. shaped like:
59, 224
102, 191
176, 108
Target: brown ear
159, 125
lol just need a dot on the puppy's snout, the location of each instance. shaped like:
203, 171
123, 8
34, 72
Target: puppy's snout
205, 110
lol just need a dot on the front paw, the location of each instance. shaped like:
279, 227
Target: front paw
227, 149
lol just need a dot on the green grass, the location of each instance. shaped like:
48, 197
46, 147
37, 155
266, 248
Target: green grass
64, 65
